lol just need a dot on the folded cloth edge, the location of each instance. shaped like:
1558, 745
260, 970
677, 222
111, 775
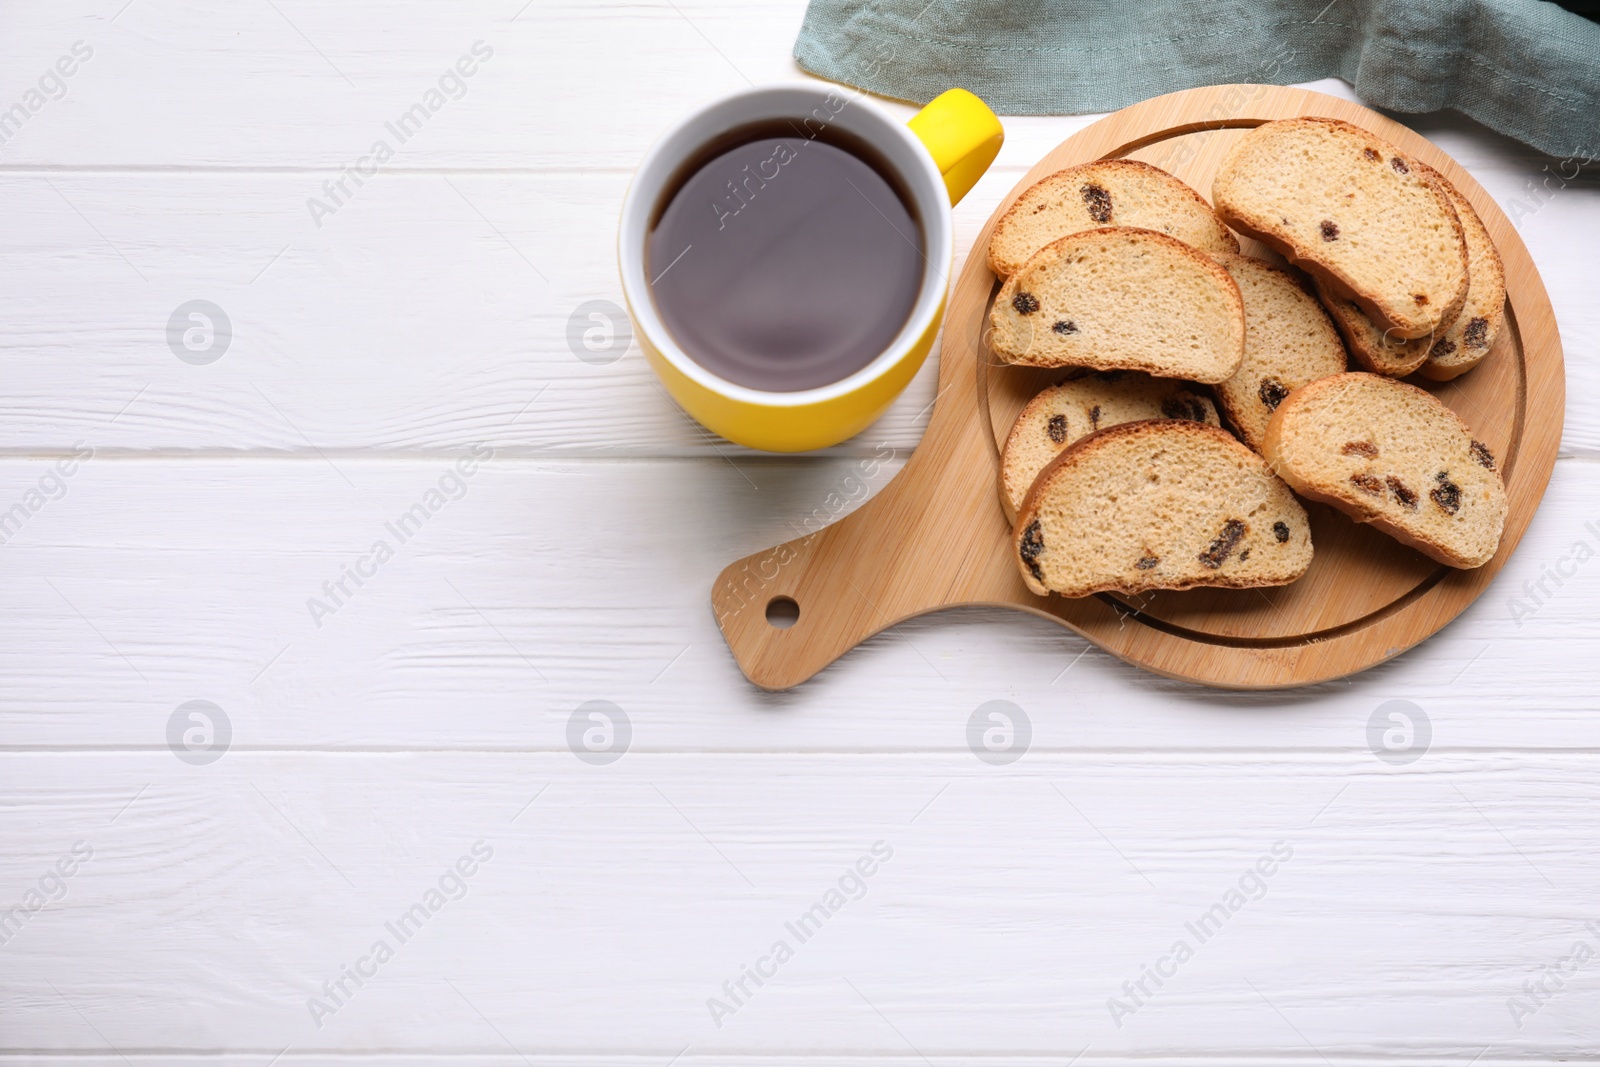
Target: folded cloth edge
1525, 68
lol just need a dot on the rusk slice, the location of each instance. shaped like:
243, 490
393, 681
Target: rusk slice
1373, 349
1112, 192
1159, 505
1356, 212
1288, 342
1448, 353
1062, 414
1391, 454
1468, 339
1122, 299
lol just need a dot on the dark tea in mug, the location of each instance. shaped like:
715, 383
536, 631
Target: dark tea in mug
785, 258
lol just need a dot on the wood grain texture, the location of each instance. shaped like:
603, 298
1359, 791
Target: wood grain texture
936, 537
484, 634
262, 875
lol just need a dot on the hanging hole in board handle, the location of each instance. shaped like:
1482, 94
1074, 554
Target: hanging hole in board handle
782, 612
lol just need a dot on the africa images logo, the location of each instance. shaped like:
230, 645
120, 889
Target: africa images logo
452, 85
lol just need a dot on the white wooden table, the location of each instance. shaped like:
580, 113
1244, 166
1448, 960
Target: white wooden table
418, 723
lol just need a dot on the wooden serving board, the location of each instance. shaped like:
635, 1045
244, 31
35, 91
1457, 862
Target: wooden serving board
936, 536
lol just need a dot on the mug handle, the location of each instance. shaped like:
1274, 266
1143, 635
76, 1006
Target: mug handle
962, 135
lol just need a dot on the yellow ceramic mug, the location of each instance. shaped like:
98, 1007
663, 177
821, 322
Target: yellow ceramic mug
937, 157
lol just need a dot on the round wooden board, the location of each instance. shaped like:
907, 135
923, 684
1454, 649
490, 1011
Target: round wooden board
937, 537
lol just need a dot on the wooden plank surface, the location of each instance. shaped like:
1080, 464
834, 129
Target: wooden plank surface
415, 317
1004, 906
419, 718
512, 606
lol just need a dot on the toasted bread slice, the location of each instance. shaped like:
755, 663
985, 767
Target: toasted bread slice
1375, 350
1391, 454
1062, 414
1122, 299
1458, 346
1354, 211
1288, 342
1469, 338
1159, 505
1111, 192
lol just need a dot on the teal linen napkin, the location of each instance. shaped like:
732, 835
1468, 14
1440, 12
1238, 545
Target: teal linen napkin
1524, 67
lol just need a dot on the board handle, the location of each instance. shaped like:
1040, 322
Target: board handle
921, 544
